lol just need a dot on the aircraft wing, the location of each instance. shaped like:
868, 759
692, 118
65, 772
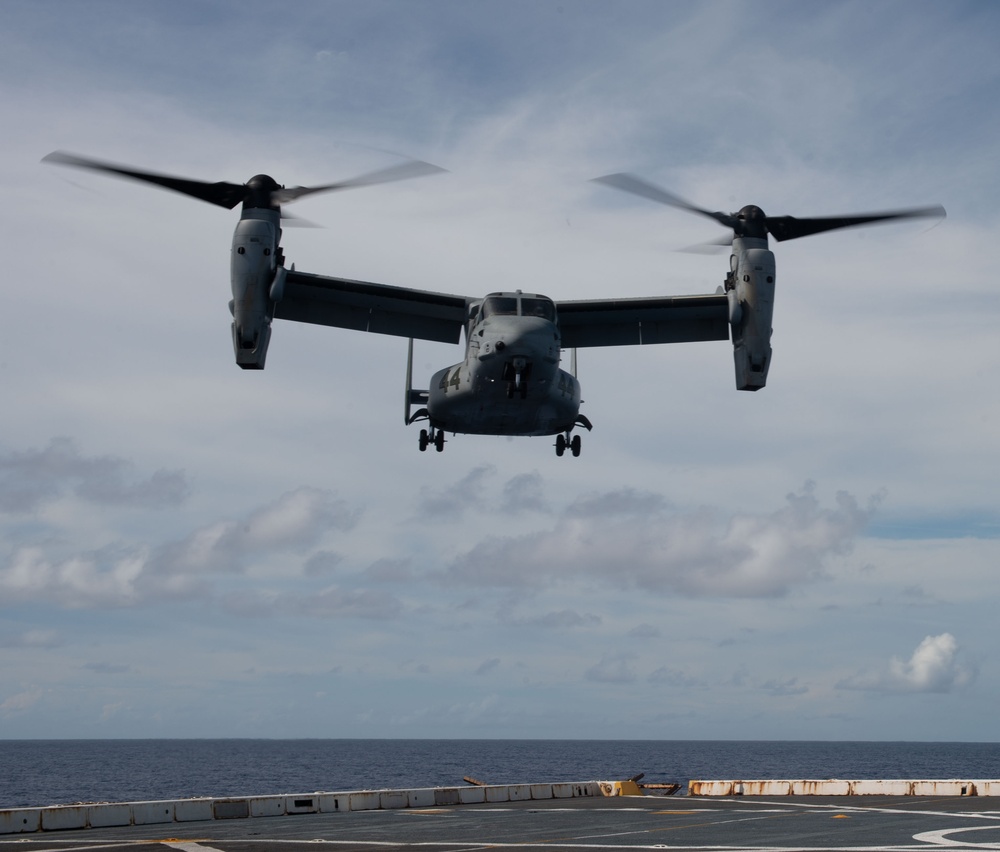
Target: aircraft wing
379, 308
630, 322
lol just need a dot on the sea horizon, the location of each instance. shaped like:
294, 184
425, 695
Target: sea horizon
58, 771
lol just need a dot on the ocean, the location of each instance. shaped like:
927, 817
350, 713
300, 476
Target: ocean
45, 772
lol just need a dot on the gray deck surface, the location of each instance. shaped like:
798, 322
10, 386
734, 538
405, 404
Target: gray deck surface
774, 824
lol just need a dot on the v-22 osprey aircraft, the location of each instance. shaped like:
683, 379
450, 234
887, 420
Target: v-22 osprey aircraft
510, 381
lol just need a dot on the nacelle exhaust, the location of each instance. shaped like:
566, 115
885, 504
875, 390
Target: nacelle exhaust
251, 352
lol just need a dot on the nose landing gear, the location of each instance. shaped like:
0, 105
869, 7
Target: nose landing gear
516, 373
519, 387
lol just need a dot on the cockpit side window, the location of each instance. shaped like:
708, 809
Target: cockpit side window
538, 308
499, 305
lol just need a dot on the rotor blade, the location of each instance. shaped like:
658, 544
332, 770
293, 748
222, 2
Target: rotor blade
790, 228
223, 194
401, 171
290, 221
709, 247
637, 186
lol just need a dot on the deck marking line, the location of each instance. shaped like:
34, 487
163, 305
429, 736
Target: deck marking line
679, 813
466, 846
188, 846
941, 838
88, 844
990, 815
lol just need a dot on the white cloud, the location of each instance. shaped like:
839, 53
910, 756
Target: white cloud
561, 620
935, 666
784, 687
390, 570
322, 562
487, 666
32, 639
634, 540
334, 602
524, 493
294, 522
126, 575
109, 711
616, 668
106, 668
645, 631
453, 500
674, 678
105, 578
29, 478
21, 701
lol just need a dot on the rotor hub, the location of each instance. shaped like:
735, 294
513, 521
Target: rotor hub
260, 192
750, 222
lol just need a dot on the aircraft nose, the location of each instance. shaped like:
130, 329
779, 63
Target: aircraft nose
528, 337
529, 331
531, 338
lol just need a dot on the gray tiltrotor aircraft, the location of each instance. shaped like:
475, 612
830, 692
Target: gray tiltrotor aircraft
510, 381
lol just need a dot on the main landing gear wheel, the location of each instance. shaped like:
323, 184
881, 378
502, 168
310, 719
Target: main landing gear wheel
564, 442
435, 437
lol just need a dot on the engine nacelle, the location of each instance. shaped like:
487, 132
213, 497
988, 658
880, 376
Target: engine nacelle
254, 276
751, 300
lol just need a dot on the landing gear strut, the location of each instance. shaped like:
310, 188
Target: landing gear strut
516, 373
435, 437
519, 387
564, 441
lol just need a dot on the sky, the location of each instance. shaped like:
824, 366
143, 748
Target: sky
192, 550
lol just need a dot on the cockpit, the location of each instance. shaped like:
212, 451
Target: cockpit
518, 305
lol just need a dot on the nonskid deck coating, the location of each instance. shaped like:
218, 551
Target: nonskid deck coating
759, 824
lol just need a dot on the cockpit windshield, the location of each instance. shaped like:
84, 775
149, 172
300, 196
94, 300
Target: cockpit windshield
508, 306
538, 308
502, 305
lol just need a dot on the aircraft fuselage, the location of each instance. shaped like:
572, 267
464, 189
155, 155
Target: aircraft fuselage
510, 382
